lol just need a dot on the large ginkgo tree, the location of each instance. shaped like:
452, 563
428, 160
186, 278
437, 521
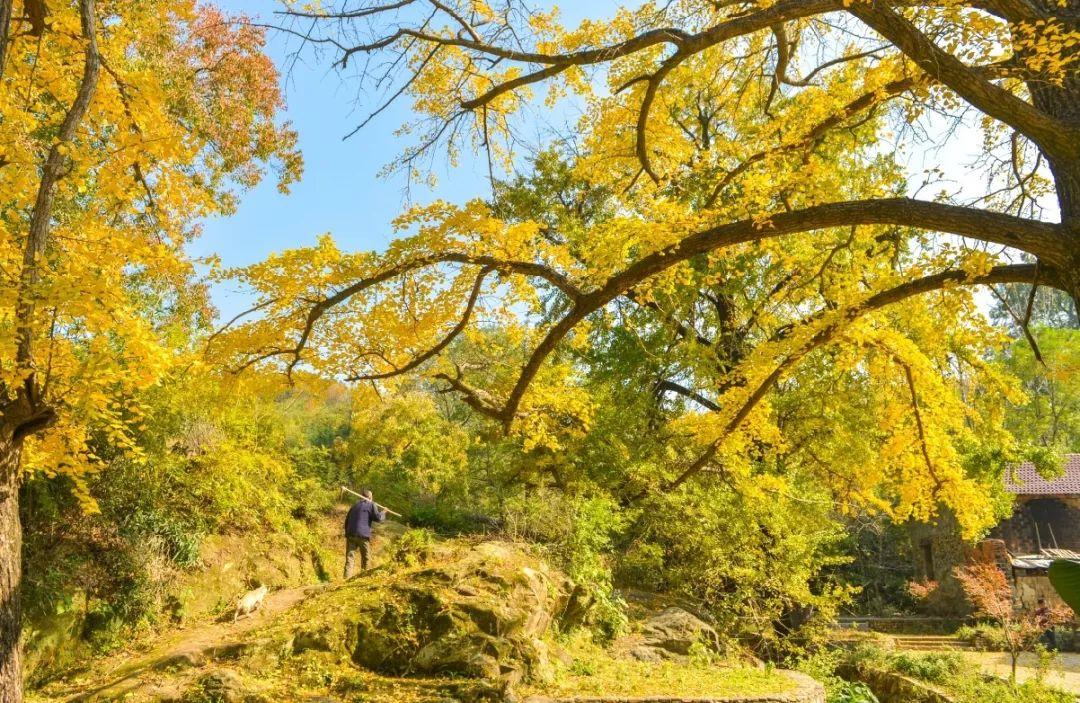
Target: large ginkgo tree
736, 195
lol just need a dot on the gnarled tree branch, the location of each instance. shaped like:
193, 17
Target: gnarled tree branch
1016, 273
1053, 135
979, 224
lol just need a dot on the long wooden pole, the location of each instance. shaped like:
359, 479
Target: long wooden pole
358, 495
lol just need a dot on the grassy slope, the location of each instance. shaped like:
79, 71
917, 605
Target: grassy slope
229, 565
260, 654
592, 671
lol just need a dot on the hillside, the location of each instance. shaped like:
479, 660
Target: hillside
227, 564
437, 620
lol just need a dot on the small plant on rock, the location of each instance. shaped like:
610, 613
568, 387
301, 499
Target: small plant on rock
413, 547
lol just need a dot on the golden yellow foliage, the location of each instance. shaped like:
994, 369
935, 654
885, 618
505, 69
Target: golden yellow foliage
181, 114
735, 202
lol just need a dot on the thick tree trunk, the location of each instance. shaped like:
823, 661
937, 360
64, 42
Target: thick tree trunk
5, 30
1067, 263
10, 567
1061, 99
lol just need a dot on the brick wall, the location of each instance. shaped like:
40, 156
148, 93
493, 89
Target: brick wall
1058, 519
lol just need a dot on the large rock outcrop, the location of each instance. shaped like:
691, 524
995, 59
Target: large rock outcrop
478, 611
436, 622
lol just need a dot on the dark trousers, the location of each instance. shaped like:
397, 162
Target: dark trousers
352, 546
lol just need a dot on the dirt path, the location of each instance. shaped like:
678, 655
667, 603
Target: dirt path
128, 673
1064, 672
136, 671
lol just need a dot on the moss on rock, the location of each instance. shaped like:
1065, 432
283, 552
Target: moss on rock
477, 610
466, 622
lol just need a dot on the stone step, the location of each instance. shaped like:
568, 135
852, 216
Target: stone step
930, 642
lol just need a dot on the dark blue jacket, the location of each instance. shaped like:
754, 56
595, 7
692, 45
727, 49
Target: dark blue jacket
360, 518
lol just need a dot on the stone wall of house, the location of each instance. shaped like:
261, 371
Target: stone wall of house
938, 549
1070, 530
995, 552
1030, 588
1058, 521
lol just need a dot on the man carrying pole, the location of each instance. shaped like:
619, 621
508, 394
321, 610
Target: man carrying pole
362, 515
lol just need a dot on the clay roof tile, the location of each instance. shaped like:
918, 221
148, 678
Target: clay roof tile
1025, 480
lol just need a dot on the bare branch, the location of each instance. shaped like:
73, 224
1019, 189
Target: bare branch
685, 43
809, 77
652, 85
475, 398
1023, 321
352, 14
669, 385
236, 318
507, 86
1053, 135
680, 327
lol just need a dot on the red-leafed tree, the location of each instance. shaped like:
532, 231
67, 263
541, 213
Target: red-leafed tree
988, 590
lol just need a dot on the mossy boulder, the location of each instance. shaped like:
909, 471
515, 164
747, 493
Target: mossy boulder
481, 611
218, 686
668, 635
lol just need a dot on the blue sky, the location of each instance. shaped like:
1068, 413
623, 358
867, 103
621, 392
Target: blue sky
341, 191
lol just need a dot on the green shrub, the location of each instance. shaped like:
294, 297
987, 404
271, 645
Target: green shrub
822, 666
179, 542
975, 688
984, 636
851, 692
932, 667
868, 655
413, 547
583, 667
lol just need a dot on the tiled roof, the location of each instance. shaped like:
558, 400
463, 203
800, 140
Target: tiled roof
1025, 480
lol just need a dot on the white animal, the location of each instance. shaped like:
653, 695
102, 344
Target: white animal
250, 602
